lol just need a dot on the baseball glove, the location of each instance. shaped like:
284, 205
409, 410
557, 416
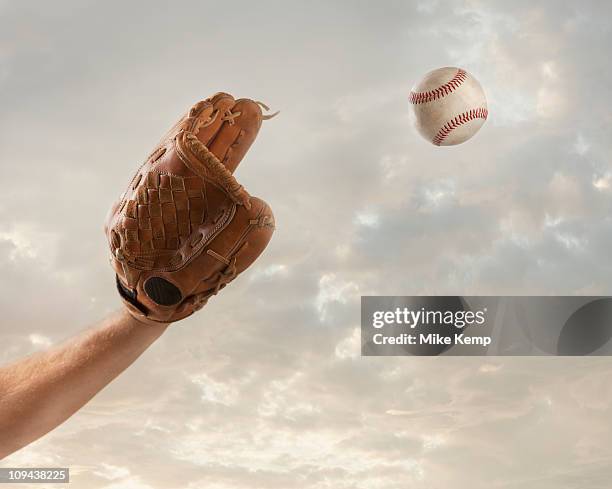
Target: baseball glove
185, 228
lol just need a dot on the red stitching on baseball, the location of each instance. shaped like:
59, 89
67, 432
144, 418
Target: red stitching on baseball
441, 91
480, 113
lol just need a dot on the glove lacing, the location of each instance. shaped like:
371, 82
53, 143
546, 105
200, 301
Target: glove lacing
222, 278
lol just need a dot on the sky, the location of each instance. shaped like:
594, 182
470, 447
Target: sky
266, 387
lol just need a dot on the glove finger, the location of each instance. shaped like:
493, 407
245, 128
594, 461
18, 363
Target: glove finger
221, 103
236, 132
203, 110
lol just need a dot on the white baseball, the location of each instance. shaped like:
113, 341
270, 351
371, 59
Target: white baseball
450, 106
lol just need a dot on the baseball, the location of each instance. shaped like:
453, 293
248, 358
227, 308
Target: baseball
449, 106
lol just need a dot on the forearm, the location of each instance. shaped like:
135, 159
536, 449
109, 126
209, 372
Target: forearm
42, 391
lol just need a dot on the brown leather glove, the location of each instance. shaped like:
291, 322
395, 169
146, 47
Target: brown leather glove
185, 227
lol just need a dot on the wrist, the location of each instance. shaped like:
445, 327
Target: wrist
140, 319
